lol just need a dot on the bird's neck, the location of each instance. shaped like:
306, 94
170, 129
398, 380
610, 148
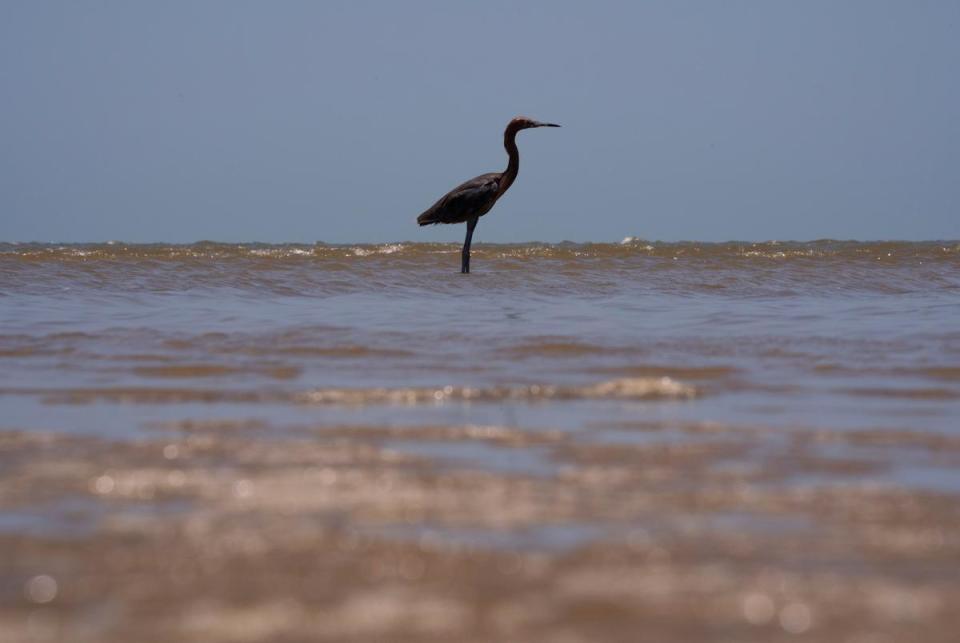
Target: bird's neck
513, 167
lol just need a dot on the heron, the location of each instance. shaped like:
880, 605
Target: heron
474, 198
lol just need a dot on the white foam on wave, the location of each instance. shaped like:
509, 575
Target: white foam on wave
631, 241
629, 388
280, 252
386, 249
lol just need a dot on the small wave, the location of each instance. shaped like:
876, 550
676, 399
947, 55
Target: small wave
176, 371
925, 393
386, 249
272, 252
632, 388
638, 242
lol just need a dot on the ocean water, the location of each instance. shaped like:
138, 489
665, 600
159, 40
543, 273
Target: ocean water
822, 334
554, 408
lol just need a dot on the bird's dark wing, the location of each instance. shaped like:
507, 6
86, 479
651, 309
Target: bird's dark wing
470, 199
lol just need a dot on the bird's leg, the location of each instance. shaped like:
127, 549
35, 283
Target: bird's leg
465, 253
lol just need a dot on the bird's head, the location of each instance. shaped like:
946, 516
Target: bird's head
522, 122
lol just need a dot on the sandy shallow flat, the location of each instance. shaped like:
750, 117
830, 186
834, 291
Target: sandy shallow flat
240, 531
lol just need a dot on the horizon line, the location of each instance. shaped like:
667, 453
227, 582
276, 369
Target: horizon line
625, 240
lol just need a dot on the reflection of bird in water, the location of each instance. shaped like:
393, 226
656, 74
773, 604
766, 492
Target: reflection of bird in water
471, 200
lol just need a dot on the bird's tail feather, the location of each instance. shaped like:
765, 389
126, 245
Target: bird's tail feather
427, 218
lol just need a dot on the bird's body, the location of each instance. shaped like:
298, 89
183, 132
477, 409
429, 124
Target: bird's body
472, 199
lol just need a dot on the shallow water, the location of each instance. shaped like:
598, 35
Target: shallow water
822, 334
722, 400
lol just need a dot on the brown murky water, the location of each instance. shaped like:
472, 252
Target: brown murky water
578, 442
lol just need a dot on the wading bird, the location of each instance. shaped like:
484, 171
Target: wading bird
471, 200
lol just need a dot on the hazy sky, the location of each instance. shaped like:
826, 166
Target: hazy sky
342, 121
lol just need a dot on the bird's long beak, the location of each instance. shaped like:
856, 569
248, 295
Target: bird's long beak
547, 125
